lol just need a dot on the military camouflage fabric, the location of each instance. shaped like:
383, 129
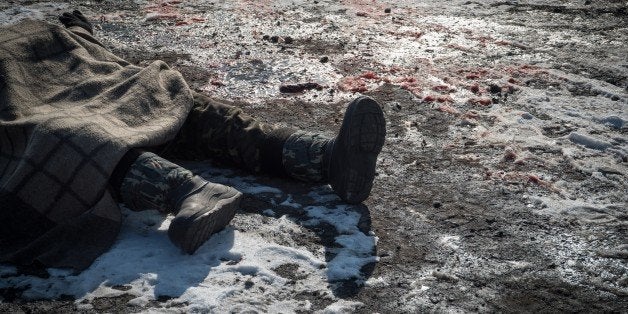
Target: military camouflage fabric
148, 182
217, 130
303, 156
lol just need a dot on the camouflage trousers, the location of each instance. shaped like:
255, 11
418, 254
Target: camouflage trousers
219, 131
149, 181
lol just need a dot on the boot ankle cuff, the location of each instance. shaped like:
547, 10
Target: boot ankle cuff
303, 156
272, 150
149, 181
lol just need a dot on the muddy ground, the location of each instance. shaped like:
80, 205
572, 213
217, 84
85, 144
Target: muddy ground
487, 196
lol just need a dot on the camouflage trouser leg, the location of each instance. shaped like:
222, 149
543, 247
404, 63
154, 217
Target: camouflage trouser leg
303, 156
218, 131
148, 182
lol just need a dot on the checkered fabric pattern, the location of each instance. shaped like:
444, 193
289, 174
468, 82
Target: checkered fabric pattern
69, 110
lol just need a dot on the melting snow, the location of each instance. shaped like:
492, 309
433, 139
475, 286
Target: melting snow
236, 270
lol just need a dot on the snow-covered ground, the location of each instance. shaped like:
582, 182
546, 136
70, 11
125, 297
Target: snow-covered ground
502, 186
258, 265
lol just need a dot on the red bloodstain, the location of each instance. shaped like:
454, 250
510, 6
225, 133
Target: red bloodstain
513, 81
443, 88
216, 83
510, 155
511, 89
448, 109
534, 179
353, 84
369, 75
406, 79
429, 98
358, 84
480, 101
475, 88
442, 99
394, 69
409, 83
471, 114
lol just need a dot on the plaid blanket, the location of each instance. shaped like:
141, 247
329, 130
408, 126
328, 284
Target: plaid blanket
69, 110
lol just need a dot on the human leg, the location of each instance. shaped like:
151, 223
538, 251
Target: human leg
144, 181
347, 162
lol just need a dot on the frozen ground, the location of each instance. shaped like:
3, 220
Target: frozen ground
261, 263
502, 186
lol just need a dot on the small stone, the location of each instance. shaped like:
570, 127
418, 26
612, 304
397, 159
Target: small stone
608, 170
387, 10
494, 89
288, 40
437, 204
613, 121
324, 59
248, 284
444, 276
527, 116
274, 39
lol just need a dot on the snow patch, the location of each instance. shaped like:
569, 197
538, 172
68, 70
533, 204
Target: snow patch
236, 270
342, 306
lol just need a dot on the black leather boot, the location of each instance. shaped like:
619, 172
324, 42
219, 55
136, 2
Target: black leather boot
347, 162
350, 158
201, 208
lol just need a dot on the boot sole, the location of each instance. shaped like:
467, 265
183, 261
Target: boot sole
355, 150
191, 232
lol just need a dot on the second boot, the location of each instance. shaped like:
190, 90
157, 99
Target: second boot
201, 208
347, 162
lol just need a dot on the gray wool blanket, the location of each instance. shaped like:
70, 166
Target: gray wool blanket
69, 111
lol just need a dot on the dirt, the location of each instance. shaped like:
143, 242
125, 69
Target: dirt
463, 223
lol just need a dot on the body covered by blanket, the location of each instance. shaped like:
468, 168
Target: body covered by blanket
69, 110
